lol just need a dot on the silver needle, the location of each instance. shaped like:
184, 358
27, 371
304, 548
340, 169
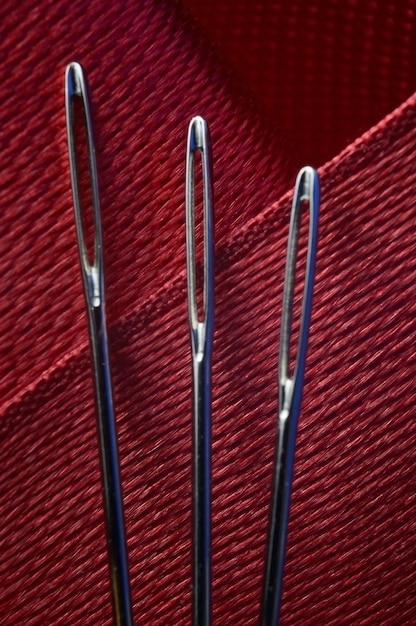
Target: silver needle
290, 391
202, 331
93, 278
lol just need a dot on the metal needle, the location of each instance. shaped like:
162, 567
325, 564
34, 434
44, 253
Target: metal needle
290, 391
201, 331
76, 90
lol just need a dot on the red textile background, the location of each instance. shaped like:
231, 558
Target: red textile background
324, 70
351, 553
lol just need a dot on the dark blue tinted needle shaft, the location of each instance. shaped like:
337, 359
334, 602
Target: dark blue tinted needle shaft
78, 112
290, 391
201, 332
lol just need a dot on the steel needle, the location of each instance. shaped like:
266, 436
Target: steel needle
76, 91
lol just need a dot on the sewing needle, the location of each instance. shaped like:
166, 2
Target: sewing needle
290, 391
76, 92
201, 333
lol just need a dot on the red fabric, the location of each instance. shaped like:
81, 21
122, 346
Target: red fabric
351, 552
324, 70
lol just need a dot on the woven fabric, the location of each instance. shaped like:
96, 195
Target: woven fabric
351, 554
325, 70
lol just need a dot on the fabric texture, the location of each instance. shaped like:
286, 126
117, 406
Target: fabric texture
324, 70
151, 66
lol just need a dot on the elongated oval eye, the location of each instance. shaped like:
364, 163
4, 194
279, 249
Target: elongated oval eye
199, 154
84, 176
291, 361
